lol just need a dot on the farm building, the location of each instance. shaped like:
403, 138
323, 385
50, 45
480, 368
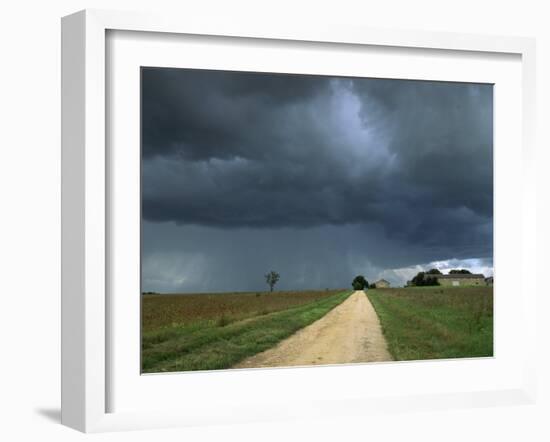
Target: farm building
489, 280
461, 279
382, 284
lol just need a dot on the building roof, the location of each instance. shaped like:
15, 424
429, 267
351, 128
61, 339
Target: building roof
382, 280
459, 276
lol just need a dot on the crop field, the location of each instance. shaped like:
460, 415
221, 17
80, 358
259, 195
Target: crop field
215, 331
161, 311
435, 322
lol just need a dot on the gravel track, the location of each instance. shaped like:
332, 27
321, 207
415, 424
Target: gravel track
349, 333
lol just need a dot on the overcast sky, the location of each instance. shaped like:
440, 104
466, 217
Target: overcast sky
318, 178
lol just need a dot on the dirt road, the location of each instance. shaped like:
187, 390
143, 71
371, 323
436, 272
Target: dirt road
348, 333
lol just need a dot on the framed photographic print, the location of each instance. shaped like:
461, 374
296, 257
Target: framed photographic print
251, 211
329, 180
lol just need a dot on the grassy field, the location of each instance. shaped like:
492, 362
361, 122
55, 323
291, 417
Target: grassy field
436, 322
215, 331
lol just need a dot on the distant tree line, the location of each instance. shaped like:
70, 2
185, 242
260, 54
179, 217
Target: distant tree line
430, 277
424, 279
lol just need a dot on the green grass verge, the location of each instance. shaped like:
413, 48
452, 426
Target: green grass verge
436, 323
208, 346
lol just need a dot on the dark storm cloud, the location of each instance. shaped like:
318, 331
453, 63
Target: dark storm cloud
211, 114
442, 134
410, 160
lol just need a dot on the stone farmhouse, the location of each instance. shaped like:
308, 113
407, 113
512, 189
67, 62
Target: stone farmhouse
461, 279
382, 284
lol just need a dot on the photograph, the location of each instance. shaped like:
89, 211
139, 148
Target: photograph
306, 220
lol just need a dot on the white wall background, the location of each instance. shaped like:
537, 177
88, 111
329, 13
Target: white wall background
30, 215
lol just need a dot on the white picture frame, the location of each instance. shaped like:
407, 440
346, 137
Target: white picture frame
86, 205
